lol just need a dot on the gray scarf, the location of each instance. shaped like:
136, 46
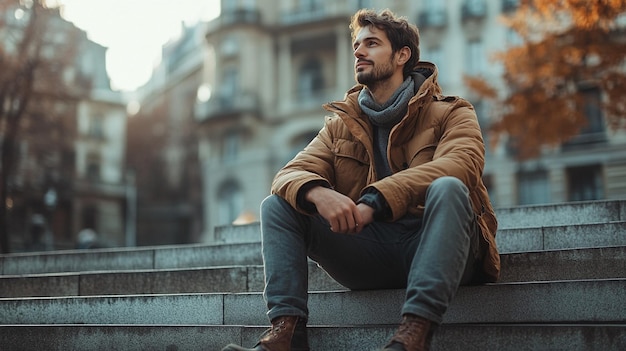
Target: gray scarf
387, 115
390, 112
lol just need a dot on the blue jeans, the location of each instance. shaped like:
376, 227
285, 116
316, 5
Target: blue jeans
429, 256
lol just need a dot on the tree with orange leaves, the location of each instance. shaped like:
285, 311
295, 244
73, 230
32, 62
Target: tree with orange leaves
567, 47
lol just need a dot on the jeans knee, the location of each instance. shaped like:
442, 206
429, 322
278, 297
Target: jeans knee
449, 190
448, 184
270, 204
274, 206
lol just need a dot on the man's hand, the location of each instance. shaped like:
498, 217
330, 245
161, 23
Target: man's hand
339, 210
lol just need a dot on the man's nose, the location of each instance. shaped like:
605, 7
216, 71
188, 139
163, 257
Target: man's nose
358, 51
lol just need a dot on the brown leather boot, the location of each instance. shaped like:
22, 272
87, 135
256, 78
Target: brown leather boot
414, 334
287, 333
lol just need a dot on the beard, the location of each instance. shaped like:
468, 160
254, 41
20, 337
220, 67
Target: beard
379, 73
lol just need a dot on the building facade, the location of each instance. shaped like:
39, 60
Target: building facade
100, 189
162, 148
68, 173
275, 62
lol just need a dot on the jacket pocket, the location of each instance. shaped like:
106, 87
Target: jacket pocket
351, 151
352, 166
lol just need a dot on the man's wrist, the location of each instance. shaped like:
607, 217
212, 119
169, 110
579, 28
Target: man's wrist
367, 212
310, 193
303, 195
377, 202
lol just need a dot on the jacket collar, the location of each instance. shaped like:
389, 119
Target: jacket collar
427, 90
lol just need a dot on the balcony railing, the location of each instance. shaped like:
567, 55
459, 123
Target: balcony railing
240, 16
473, 9
225, 105
299, 16
585, 140
433, 18
86, 186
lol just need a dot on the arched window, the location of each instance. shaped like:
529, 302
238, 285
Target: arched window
230, 202
299, 142
311, 78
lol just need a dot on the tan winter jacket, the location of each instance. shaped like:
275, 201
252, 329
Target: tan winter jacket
439, 136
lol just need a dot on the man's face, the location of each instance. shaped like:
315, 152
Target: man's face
373, 56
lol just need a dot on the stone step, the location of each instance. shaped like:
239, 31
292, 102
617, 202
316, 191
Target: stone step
580, 301
568, 264
562, 237
562, 214
115, 259
449, 337
188, 256
576, 264
559, 234
167, 281
537, 216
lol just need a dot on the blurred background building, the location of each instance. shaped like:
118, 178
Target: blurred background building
69, 160
235, 98
162, 151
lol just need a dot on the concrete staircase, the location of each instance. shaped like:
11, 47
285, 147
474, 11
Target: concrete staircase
563, 287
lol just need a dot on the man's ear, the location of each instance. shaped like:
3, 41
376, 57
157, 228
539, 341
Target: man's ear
403, 55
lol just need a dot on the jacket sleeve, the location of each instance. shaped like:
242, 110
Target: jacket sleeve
459, 152
312, 165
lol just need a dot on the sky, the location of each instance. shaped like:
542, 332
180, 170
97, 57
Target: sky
134, 31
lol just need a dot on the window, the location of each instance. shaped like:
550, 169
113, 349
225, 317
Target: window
593, 111
311, 80
509, 5
594, 132
96, 127
474, 9
230, 147
435, 55
89, 215
475, 58
229, 87
93, 167
434, 6
483, 120
230, 202
298, 143
585, 183
433, 14
533, 187
488, 181
229, 46
309, 5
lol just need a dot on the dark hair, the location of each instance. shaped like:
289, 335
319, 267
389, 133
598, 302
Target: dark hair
399, 31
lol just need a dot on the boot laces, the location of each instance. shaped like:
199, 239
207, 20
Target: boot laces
411, 331
275, 329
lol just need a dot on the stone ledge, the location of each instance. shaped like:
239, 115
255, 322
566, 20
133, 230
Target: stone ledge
533, 302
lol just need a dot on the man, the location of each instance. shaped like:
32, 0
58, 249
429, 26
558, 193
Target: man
387, 195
